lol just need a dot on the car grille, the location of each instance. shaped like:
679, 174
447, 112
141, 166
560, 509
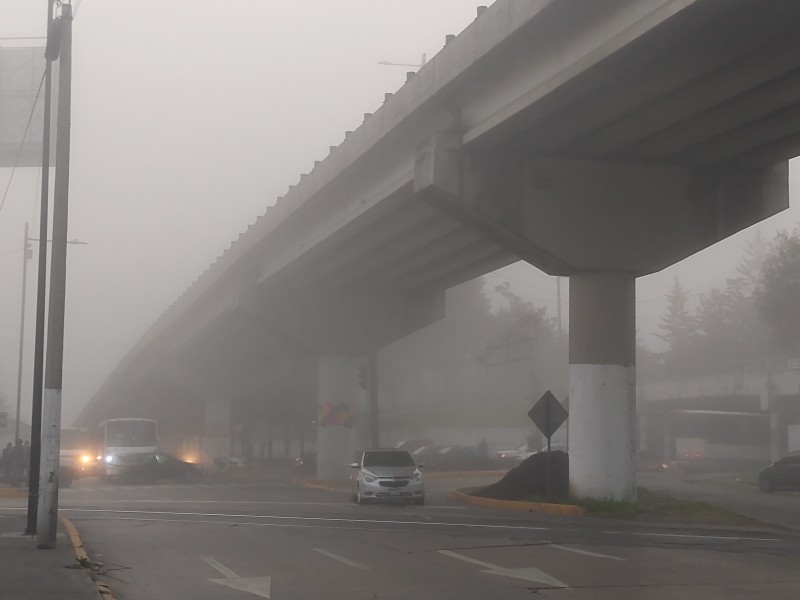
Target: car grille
394, 483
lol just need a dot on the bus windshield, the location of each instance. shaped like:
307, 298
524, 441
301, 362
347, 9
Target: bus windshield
131, 434
74, 439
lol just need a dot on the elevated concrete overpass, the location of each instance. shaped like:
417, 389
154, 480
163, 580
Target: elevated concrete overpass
600, 141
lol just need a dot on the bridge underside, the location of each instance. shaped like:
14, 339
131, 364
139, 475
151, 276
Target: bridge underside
596, 140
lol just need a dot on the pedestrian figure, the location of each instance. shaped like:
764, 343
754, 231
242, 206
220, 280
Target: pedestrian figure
5, 461
26, 459
17, 457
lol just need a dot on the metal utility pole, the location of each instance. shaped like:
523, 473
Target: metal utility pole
25, 257
47, 521
558, 302
41, 290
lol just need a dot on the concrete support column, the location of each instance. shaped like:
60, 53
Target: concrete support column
217, 432
338, 395
602, 392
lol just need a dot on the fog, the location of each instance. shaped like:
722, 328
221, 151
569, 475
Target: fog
188, 121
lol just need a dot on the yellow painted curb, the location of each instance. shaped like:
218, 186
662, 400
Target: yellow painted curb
83, 558
13, 492
544, 507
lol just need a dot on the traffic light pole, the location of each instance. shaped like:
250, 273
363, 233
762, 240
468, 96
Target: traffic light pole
47, 520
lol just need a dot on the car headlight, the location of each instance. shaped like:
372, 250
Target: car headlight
109, 459
86, 459
369, 478
416, 477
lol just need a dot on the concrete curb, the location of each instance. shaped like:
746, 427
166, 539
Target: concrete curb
7, 492
83, 558
570, 510
335, 485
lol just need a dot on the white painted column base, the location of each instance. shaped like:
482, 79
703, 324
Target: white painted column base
602, 400
216, 441
47, 510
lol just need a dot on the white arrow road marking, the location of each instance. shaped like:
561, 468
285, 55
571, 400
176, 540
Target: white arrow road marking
526, 573
341, 559
259, 586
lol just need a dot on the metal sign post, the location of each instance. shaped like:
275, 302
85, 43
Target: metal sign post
548, 415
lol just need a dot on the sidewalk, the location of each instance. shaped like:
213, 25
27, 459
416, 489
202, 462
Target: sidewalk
781, 510
30, 574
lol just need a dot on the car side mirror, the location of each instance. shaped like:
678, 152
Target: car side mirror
355, 466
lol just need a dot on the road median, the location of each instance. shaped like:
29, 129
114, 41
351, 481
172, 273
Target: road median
570, 510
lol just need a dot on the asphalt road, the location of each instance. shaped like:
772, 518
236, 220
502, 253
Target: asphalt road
239, 541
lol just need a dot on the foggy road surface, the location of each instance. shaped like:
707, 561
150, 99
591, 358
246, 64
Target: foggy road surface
233, 542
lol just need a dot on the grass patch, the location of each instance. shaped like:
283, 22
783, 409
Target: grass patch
655, 507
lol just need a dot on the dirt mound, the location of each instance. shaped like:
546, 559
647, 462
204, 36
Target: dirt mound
527, 480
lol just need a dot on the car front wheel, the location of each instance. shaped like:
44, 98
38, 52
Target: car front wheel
766, 486
359, 498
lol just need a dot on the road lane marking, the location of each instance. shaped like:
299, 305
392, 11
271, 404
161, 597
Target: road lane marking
585, 552
422, 523
382, 522
693, 537
526, 573
296, 518
341, 559
214, 563
260, 586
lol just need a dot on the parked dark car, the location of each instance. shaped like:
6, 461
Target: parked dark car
412, 445
455, 458
166, 466
783, 474
305, 465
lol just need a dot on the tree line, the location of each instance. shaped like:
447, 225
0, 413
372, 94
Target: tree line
754, 319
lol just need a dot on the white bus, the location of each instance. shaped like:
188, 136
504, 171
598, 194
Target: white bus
127, 443
709, 440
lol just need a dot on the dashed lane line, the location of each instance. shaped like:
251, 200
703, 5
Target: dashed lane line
585, 552
341, 559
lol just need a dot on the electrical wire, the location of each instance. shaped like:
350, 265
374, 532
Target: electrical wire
22, 143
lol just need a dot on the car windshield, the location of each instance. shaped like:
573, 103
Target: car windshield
388, 459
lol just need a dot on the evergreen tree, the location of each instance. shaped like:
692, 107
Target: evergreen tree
678, 326
778, 298
749, 269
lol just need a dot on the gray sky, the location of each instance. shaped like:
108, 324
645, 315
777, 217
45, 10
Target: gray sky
188, 118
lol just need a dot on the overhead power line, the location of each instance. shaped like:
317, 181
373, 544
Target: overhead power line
22, 144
